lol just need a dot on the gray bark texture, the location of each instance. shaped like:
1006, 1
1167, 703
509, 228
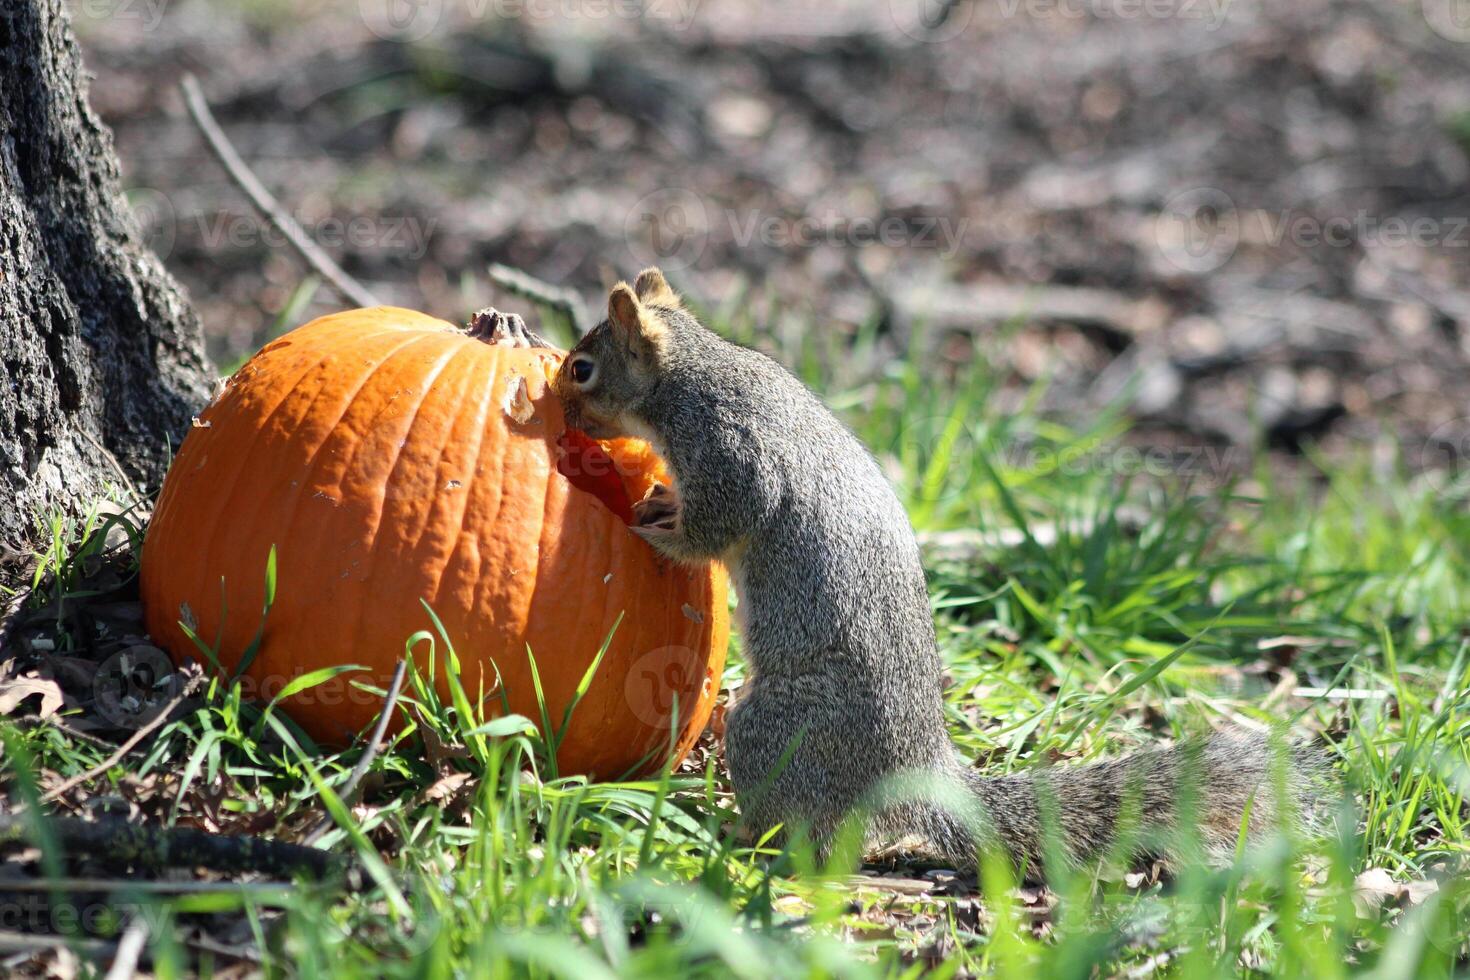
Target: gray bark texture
98, 344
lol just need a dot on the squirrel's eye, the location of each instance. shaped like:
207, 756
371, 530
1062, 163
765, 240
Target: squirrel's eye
582, 370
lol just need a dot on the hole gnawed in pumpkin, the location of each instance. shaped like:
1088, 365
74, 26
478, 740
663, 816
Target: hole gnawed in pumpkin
590, 469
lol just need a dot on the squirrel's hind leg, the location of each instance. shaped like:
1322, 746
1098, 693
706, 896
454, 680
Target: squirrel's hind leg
780, 764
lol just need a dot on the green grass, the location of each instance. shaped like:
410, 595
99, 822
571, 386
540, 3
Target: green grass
1135, 606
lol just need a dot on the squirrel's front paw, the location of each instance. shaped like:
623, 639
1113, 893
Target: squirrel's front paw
656, 520
659, 509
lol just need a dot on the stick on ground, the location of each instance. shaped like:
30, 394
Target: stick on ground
349, 788
224, 151
129, 948
565, 301
156, 848
123, 749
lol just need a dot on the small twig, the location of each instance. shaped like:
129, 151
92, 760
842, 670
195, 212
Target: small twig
124, 748
129, 948
107, 454
11, 616
112, 886
204, 944
390, 701
565, 301
54, 721
24, 942
264, 202
1281, 691
967, 307
100, 949
156, 848
349, 788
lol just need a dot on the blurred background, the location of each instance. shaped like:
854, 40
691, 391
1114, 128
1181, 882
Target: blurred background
1239, 223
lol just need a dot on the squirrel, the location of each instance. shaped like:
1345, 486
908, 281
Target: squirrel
842, 712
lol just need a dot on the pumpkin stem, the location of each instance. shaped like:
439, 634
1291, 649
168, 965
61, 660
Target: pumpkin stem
503, 329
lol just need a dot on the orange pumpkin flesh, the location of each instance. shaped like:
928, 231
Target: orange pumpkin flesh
390, 458
590, 469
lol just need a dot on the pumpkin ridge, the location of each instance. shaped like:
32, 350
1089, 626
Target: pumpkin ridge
475, 483
374, 556
611, 543
310, 461
675, 624
297, 541
630, 640
463, 500
636, 612
562, 543
568, 543
485, 583
536, 553
709, 675
606, 720
347, 402
205, 524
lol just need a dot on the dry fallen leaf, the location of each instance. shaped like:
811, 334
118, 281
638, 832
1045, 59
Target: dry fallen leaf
63, 965
14, 690
446, 788
1418, 892
1372, 890
440, 752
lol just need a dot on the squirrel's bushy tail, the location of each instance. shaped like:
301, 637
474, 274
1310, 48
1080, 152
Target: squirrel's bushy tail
1141, 804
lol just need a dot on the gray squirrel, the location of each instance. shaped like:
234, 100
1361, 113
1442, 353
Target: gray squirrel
842, 712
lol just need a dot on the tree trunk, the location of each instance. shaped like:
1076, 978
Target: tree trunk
99, 345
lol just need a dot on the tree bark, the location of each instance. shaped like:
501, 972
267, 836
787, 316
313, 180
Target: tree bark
98, 343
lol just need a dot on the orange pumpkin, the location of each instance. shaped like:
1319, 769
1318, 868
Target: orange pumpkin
390, 458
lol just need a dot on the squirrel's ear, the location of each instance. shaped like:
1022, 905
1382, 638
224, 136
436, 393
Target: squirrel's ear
635, 326
652, 287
